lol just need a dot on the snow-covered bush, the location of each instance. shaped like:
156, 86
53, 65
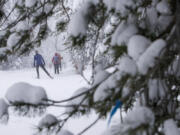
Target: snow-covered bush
26, 99
16, 62
48, 123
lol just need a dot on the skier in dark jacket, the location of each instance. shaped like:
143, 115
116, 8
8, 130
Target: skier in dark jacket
39, 62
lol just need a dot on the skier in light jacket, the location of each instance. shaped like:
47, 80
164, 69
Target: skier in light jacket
56, 60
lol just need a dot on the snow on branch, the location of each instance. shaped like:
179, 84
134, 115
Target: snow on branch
149, 57
49, 123
139, 118
30, 3
27, 99
79, 101
13, 40
123, 33
126, 67
170, 127
137, 45
119, 5
79, 22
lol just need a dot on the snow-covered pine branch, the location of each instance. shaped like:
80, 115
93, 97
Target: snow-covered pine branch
140, 39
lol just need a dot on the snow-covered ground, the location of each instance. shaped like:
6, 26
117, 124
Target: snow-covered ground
61, 87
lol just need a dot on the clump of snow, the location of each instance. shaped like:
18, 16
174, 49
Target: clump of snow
49, 124
61, 19
170, 127
64, 132
125, 91
164, 22
157, 89
140, 115
47, 121
38, 12
78, 25
98, 67
80, 100
127, 66
151, 19
137, 45
149, 57
135, 118
104, 89
119, 30
126, 34
47, 8
100, 76
20, 2
3, 50
163, 7
13, 40
119, 5
2, 33
22, 25
123, 33
108, 29
30, 3
153, 89
25, 93
3, 111
79, 22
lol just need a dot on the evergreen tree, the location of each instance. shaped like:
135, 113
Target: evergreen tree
24, 24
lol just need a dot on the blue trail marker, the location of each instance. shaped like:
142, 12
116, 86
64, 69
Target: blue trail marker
113, 111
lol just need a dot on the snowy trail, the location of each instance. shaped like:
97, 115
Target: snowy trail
61, 87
